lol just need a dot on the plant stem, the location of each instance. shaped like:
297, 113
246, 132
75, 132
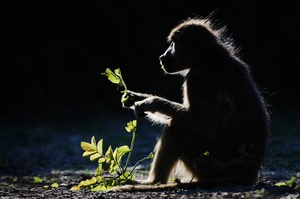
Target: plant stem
131, 149
138, 162
123, 82
125, 87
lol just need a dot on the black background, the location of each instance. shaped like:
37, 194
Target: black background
52, 53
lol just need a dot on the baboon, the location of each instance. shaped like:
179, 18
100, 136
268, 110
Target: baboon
218, 135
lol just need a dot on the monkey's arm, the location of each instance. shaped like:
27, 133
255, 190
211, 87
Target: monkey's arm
161, 110
132, 97
155, 104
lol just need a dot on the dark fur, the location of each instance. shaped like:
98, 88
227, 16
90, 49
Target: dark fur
222, 112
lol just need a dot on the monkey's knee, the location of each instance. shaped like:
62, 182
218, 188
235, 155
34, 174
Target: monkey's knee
165, 160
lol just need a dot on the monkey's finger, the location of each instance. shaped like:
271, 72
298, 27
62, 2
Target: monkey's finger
128, 103
137, 113
127, 100
136, 96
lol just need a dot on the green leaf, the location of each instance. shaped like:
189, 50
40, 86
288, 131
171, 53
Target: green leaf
123, 178
87, 153
118, 72
100, 146
88, 182
98, 171
95, 156
100, 188
37, 180
101, 160
93, 142
122, 150
128, 129
87, 146
111, 76
131, 126
124, 99
115, 78
113, 167
111, 160
127, 176
55, 185
74, 188
93, 180
291, 181
280, 184
99, 178
115, 154
131, 177
109, 154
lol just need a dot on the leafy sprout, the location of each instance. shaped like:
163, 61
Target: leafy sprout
37, 180
116, 78
293, 182
111, 161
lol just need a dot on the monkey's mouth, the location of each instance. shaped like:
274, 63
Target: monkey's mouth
163, 65
162, 62
164, 68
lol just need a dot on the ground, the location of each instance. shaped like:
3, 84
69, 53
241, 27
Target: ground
25, 188
54, 155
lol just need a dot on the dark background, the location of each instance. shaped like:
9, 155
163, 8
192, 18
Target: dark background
52, 53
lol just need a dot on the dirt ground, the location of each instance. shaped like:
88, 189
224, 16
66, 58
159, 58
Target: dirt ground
25, 188
20, 163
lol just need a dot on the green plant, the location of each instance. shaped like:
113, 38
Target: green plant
37, 180
293, 182
110, 162
116, 78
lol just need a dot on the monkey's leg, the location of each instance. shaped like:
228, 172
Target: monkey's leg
165, 158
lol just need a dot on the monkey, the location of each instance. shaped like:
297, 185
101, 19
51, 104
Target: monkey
218, 134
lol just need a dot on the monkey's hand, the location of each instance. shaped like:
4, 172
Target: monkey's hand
128, 99
139, 108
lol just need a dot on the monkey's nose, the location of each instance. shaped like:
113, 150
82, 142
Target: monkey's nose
162, 58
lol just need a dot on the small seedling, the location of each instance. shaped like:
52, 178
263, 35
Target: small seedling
37, 180
293, 182
110, 162
116, 78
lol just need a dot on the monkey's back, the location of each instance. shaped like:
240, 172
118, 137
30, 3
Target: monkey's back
231, 110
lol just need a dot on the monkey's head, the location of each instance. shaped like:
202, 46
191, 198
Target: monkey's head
192, 44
